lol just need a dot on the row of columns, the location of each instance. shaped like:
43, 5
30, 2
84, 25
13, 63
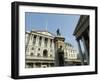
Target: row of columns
85, 50
30, 39
43, 41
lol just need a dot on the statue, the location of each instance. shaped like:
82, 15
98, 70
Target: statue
61, 56
58, 32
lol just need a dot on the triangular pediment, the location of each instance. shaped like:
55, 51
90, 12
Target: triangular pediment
46, 33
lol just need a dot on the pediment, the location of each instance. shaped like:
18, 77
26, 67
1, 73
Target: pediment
46, 33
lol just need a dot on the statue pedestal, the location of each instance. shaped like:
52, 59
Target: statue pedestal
59, 50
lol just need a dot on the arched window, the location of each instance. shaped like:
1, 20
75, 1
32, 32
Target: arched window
45, 53
31, 54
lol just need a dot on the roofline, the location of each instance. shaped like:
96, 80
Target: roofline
40, 33
77, 25
44, 31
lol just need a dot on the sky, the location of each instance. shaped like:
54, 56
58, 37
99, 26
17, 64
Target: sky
51, 22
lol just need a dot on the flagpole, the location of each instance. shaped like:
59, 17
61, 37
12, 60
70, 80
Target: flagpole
46, 25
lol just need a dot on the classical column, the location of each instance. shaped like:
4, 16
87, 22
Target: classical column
29, 42
42, 42
85, 49
48, 44
80, 52
37, 40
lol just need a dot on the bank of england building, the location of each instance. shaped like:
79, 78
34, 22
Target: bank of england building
41, 47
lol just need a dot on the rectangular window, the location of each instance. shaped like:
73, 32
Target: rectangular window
50, 42
40, 40
46, 41
34, 40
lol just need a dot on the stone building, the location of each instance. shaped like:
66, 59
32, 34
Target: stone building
40, 50
81, 33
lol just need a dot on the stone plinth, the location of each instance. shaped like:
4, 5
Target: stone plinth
59, 42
